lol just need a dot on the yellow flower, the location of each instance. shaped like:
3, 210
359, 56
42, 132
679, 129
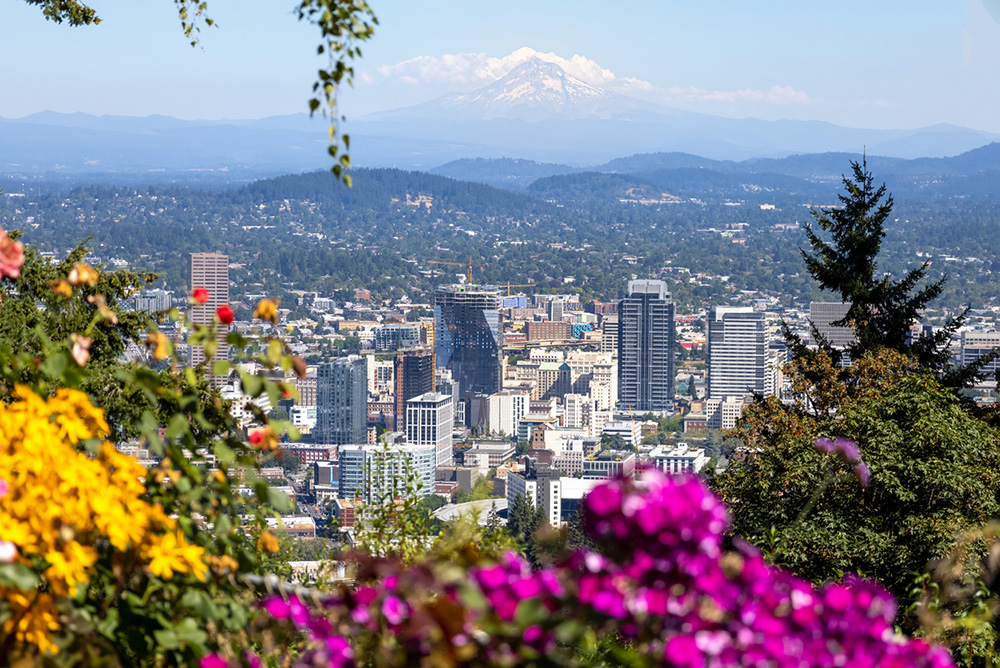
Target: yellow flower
170, 553
158, 342
83, 274
61, 504
267, 309
62, 288
69, 567
31, 618
268, 543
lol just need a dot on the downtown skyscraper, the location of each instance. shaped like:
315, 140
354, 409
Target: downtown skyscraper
414, 375
211, 272
467, 327
737, 353
646, 348
342, 401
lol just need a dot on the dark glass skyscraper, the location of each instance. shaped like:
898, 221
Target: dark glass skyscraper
467, 324
414, 375
342, 401
646, 348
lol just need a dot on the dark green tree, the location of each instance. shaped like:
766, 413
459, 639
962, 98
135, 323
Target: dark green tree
934, 467
882, 310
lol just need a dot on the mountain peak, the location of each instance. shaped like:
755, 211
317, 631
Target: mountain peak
534, 89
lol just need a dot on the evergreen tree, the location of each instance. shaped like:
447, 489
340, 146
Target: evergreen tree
882, 310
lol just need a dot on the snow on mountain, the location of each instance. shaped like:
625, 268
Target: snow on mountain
533, 90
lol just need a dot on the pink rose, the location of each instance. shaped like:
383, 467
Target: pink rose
11, 256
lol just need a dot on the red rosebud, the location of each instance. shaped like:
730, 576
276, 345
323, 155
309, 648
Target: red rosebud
257, 437
225, 314
200, 295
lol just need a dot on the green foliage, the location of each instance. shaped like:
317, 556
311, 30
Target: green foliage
394, 519
127, 615
935, 472
482, 490
882, 310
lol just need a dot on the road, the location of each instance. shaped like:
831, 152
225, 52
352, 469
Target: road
455, 510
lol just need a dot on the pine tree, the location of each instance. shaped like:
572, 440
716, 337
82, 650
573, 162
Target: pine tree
882, 310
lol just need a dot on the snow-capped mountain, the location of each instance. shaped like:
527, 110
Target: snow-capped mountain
534, 90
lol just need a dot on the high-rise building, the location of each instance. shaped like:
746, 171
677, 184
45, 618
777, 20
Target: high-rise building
342, 401
430, 419
737, 353
556, 310
609, 334
976, 344
467, 333
646, 348
824, 314
375, 472
414, 376
211, 272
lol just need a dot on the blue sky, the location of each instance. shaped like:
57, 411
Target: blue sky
882, 63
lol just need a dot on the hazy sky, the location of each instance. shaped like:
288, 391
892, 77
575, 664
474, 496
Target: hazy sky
871, 63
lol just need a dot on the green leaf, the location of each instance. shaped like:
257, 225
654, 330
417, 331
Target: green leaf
18, 576
278, 500
178, 425
224, 454
251, 384
55, 365
200, 603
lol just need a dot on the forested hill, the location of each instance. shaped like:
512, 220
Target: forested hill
376, 189
712, 235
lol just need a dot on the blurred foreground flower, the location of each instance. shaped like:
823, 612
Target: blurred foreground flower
81, 348
848, 451
662, 588
199, 295
83, 274
11, 256
225, 314
158, 342
267, 309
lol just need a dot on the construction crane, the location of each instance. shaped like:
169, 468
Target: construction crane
518, 285
468, 264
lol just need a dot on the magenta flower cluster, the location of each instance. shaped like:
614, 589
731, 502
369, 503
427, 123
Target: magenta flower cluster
661, 582
848, 451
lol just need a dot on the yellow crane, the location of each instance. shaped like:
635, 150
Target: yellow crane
518, 285
468, 264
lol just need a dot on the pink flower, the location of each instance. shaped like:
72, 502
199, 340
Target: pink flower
212, 661
394, 610
4, 488
11, 256
81, 348
8, 551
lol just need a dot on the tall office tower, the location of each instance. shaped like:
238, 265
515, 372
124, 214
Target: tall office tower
209, 271
467, 333
976, 345
824, 314
555, 310
737, 356
342, 401
646, 348
609, 334
414, 376
430, 419
376, 473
